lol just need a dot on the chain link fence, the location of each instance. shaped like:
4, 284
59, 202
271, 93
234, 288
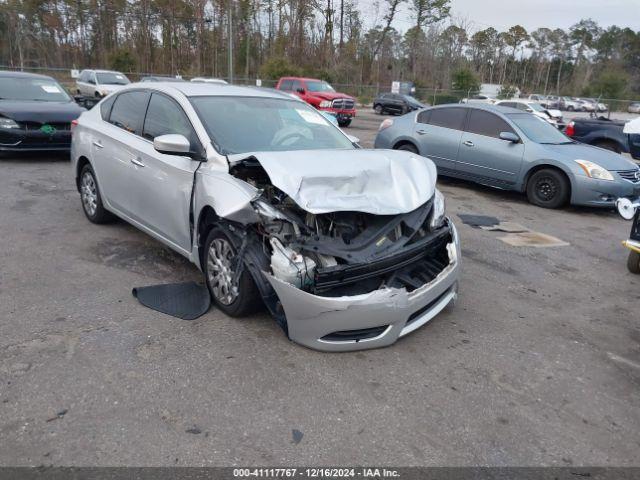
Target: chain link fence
364, 94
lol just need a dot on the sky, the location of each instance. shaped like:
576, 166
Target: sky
532, 14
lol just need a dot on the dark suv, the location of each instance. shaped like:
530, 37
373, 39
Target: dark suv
396, 103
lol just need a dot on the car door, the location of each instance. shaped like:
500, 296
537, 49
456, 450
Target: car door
115, 149
438, 132
163, 183
484, 156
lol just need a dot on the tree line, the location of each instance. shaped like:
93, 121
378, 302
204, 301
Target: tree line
332, 39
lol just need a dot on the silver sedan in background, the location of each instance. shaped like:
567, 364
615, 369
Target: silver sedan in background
506, 148
348, 248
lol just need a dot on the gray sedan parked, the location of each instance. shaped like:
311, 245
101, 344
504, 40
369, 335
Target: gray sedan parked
506, 148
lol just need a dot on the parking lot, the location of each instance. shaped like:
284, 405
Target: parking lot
538, 363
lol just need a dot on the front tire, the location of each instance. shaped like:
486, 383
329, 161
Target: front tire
91, 198
344, 123
633, 262
378, 109
548, 188
235, 298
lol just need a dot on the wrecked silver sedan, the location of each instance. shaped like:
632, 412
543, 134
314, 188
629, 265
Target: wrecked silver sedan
348, 248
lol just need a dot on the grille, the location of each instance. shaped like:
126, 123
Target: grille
343, 104
35, 126
631, 175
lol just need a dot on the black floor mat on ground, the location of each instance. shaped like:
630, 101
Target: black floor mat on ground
187, 301
478, 220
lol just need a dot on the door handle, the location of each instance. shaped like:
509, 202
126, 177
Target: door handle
97, 144
469, 143
421, 132
137, 162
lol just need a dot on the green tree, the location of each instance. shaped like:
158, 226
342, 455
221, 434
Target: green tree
465, 80
279, 67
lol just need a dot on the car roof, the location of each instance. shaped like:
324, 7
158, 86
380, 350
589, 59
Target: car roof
302, 78
197, 89
97, 70
482, 106
15, 74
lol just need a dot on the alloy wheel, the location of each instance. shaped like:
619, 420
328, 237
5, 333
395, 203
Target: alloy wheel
220, 271
89, 193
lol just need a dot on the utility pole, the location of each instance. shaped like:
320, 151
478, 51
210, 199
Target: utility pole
230, 34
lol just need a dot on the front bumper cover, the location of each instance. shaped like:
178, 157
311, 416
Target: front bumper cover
391, 312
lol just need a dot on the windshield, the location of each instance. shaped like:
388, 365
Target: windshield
254, 124
538, 129
35, 89
536, 107
112, 78
319, 87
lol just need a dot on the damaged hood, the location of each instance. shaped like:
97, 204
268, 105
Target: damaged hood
381, 182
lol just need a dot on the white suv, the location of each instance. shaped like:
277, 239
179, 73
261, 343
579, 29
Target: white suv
100, 83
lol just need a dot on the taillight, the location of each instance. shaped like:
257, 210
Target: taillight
385, 124
74, 123
570, 130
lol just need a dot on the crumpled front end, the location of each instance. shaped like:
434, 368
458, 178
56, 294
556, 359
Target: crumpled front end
419, 291
341, 263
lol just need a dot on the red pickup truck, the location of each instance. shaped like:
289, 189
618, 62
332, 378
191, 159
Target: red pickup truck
322, 96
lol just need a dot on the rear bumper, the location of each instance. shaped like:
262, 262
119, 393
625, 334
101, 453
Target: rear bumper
379, 318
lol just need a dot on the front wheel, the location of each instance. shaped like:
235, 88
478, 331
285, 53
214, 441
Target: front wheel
91, 197
344, 123
633, 262
378, 109
235, 295
548, 188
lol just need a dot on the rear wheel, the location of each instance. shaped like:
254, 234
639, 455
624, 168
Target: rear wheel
633, 262
344, 123
378, 109
236, 296
408, 147
548, 188
91, 198
608, 146
570, 108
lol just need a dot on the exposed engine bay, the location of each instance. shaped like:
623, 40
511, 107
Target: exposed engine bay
346, 252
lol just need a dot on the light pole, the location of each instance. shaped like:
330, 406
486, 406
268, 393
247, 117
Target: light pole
230, 34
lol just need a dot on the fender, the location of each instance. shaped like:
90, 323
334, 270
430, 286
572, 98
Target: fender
529, 167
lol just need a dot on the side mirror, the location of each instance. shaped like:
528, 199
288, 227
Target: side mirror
172, 144
626, 208
300, 91
353, 139
509, 137
530, 110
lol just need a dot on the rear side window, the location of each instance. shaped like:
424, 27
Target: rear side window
105, 108
164, 117
487, 124
424, 116
448, 117
128, 111
286, 84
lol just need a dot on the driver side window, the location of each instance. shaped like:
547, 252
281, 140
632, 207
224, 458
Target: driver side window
164, 117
